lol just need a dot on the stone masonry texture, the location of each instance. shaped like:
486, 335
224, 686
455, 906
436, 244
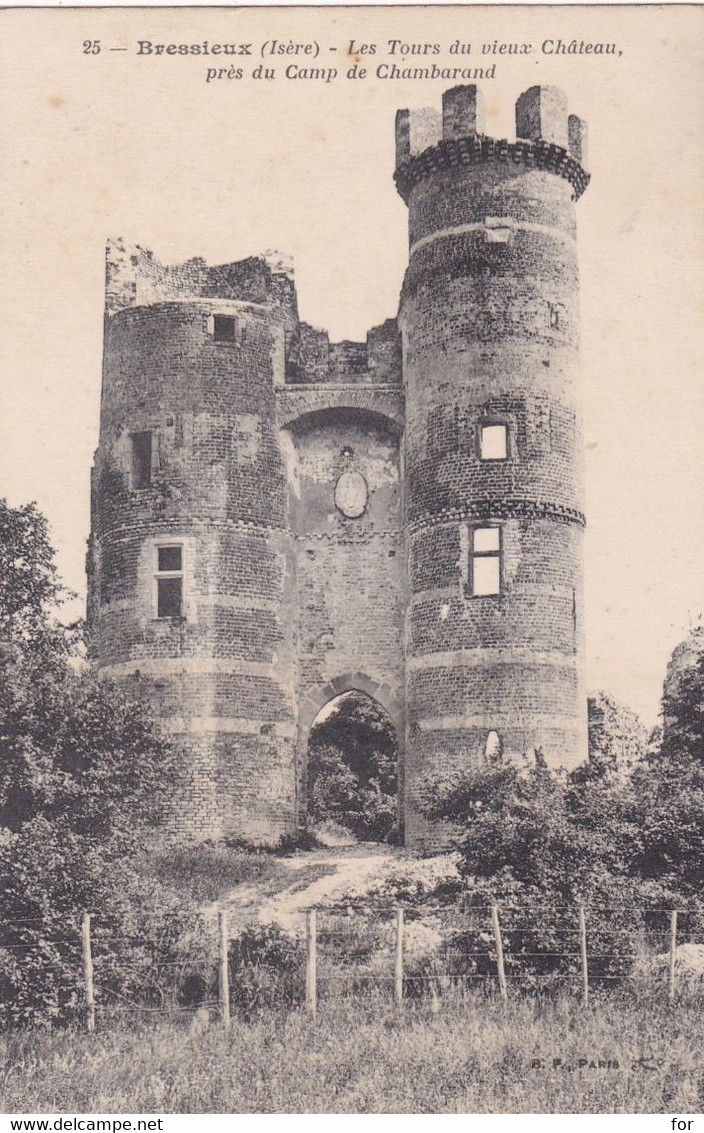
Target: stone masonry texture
322, 497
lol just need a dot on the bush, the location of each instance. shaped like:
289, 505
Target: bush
83, 784
266, 970
144, 938
540, 843
337, 793
302, 840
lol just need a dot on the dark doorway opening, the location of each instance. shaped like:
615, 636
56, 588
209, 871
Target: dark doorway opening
352, 775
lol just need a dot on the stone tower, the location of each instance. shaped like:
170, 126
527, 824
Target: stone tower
278, 519
188, 557
489, 322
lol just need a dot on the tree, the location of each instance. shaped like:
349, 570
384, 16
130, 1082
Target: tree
683, 710
79, 753
84, 778
74, 749
669, 789
532, 828
29, 583
628, 848
540, 844
571, 835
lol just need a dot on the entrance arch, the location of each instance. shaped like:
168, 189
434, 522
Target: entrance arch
384, 696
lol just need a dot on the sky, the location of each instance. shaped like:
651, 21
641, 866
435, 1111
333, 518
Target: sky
144, 147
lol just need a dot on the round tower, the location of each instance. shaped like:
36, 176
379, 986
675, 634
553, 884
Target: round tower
493, 492
189, 553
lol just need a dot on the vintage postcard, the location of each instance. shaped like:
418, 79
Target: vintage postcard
352, 534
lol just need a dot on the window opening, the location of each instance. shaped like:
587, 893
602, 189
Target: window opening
141, 460
224, 328
169, 582
494, 442
493, 748
485, 573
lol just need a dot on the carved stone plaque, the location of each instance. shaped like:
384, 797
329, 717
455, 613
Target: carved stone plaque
351, 494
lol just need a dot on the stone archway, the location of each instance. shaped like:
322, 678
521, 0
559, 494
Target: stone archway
315, 699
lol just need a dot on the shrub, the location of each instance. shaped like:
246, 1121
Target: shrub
302, 840
144, 938
540, 843
266, 970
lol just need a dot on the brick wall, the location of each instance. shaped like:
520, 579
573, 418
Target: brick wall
489, 322
312, 358
220, 676
350, 568
243, 479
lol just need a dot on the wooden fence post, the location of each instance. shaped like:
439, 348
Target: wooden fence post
311, 964
88, 973
224, 972
673, 950
583, 953
398, 968
499, 951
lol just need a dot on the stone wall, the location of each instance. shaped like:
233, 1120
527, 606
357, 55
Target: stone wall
618, 739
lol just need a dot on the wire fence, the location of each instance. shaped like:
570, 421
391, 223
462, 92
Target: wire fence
396, 952
426, 949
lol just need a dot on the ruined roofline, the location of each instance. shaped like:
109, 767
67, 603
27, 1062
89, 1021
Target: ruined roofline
134, 277
547, 137
315, 359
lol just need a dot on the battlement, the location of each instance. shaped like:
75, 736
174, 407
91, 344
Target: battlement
547, 137
134, 278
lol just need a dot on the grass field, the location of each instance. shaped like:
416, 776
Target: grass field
473, 1056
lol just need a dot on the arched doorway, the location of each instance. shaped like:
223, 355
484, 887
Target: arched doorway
351, 782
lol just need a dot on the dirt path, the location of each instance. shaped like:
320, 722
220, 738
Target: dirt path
306, 879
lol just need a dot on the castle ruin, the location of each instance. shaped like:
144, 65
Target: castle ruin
278, 519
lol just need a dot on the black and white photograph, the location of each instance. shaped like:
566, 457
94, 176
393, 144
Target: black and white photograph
351, 545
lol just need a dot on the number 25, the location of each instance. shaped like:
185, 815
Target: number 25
91, 47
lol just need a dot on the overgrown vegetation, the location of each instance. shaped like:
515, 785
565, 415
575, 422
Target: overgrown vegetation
267, 968
625, 848
84, 781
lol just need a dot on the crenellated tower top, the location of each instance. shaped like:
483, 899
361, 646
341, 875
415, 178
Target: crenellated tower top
547, 137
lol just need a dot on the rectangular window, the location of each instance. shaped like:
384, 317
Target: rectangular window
485, 561
170, 558
141, 472
169, 582
224, 328
493, 442
169, 597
